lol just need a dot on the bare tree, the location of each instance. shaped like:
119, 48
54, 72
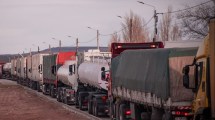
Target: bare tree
175, 33
165, 25
134, 29
114, 38
195, 20
169, 31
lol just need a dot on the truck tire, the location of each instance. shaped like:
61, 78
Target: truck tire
96, 110
157, 114
121, 112
80, 105
167, 116
80, 101
52, 91
38, 87
90, 109
58, 96
95, 107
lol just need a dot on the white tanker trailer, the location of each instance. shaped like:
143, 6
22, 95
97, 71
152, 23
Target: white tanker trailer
7, 70
90, 74
67, 82
92, 90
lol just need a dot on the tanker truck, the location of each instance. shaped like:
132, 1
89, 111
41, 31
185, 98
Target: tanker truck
92, 92
203, 83
67, 82
146, 84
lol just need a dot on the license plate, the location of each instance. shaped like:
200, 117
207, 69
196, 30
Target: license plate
180, 118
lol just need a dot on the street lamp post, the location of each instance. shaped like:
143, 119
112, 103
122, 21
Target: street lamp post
155, 19
50, 51
59, 44
97, 36
76, 42
37, 47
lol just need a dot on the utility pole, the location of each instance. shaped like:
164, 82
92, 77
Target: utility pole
59, 45
38, 49
155, 18
156, 21
97, 39
76, 45
97, 36
212, 64
130, 30
50, 49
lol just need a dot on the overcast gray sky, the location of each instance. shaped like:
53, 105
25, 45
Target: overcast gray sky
27, 22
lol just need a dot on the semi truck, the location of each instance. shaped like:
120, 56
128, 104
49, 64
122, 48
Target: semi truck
1, 71
145, 84
13, 69
6, 70
29, 70
36, 75
67, 82
92, 91
203, 83
23, 70
51, 64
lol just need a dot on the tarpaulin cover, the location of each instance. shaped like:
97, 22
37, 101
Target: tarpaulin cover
48, 62
147, 70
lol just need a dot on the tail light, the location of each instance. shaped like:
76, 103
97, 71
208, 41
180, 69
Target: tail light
128, 112
104, 98
107, 76
183, 111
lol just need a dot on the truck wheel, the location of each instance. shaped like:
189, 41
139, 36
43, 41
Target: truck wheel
52, 92
58, 95
167, 116
157, 114
80, 105
96, 110
65, 100
38, 87
122, 112
90, 104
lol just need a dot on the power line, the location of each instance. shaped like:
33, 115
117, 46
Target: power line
89, 40
187, 8
125, 28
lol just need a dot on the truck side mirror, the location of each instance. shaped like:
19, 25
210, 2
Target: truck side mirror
71, 69
186, 70
103, 75
53, 69
186, 81
103, 69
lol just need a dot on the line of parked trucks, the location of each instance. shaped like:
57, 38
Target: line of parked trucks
135, 81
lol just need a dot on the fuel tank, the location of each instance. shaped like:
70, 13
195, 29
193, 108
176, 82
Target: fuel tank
90, 73
67, 74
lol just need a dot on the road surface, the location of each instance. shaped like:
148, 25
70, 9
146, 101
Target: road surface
17, 103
